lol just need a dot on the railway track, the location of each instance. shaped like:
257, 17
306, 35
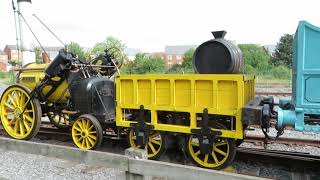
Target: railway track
283, 140
292, 161
273, 94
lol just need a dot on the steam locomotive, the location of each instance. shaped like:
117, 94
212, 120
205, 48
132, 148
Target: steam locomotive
204, 114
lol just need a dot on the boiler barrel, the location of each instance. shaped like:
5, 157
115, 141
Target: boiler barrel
217, 56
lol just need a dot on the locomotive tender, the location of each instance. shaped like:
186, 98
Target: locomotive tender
202, 114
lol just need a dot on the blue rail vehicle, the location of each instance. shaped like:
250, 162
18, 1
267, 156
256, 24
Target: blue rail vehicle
303, 111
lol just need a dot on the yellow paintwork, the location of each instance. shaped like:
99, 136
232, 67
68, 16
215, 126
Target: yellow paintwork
12, 104
30, 78
84, 134
221, 94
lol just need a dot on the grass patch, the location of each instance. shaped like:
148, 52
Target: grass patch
7, 77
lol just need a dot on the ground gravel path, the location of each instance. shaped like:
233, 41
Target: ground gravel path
18, 166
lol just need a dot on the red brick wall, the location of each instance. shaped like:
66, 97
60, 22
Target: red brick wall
3, 67
174, 59
4, 58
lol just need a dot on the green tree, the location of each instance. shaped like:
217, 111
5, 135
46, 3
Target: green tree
187, 59
256, 59
114, 46
76, 49
144, 64
38, 55
283, 52
186, 66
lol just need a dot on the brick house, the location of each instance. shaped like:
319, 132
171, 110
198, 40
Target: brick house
174, 54
12, 52
3, 61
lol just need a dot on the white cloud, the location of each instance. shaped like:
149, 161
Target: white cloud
150, 25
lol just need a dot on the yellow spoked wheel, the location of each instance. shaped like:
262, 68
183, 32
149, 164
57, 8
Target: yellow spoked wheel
20, 116
157, 144
59, 120
222, 154
87, 132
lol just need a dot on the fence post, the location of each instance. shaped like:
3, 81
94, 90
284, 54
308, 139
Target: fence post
136, 154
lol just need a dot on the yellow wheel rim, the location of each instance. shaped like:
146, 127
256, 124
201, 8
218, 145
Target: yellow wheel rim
18, 124
84, 133
154, 143
216, 158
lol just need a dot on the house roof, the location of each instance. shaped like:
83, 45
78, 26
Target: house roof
47, 48
12, 47
178, 50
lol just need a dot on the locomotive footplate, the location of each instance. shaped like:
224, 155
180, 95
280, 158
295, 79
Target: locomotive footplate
206, 135
141, 129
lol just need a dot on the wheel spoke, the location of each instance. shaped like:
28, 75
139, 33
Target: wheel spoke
26, 125
92, 132
91, 141
22, 100
152, 148
155, 142
12, 100
28, 111
92, 137
220, 152
206, 158
7, 113
88, 125
219, 144
154, 135
197, 153
11, 122
80, 139
16, 127
18, 97
21, 125
83, 142
214, 157
28, 118
77, 128
79, 124
87, 143
83, 121
9, 106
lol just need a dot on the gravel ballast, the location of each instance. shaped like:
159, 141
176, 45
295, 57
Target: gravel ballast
16, 165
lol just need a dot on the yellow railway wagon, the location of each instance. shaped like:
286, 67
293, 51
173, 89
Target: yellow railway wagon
178, 103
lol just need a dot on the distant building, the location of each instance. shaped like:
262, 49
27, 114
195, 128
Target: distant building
271, 49
12, 52
52, 51
174, 54
3, 57
13, 55
162, 55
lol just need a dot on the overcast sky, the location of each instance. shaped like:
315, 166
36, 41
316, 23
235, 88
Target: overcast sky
150, 25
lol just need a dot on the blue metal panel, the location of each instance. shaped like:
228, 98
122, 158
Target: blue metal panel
305, 81
306, 67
